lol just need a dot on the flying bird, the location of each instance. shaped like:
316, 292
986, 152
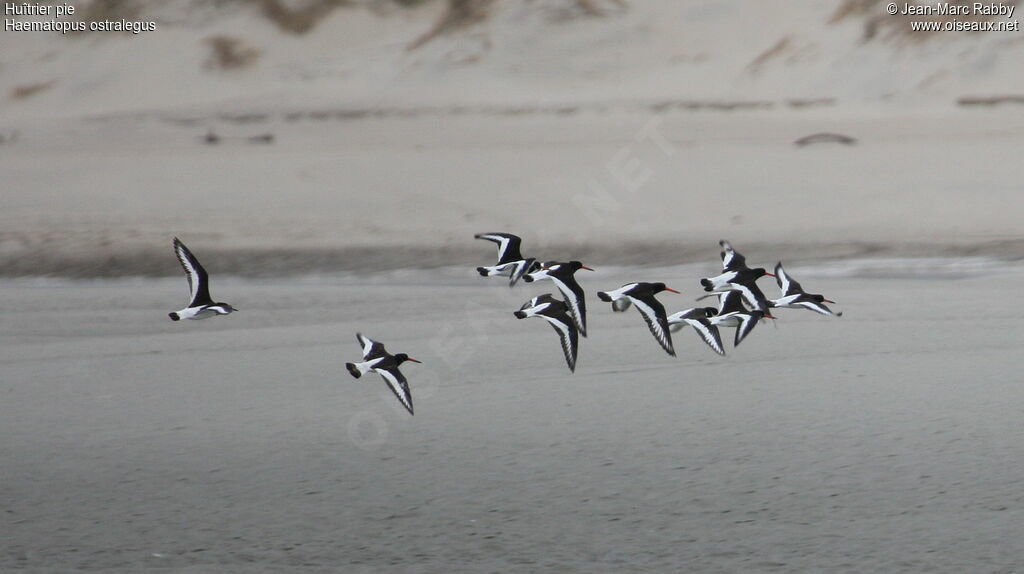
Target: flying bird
700, 319
732, 260
736, 276
653, 312
732, 313
201, 305
376, 358
563, 275
555, 313
510, 261
794, 296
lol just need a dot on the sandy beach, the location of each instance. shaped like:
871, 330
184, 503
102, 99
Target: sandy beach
329, 163
622, 188
606, 128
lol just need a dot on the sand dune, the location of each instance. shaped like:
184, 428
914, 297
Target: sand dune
521, 53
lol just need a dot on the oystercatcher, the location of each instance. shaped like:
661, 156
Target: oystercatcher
376, 358
510, 261
732, 260
794, 297
554, 312
653, 312
563, 276
700, 319
201, 304
736, 276
732, 313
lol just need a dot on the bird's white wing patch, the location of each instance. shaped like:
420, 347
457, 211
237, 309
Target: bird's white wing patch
816, 307
654, 322
782, 279
501, 240
749, 296
572, 301
367, 344
728, 256
747, 324
188, 263
709, 334
520, 268
565, 335
398, 385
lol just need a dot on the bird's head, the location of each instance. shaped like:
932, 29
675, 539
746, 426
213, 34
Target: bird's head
402, 357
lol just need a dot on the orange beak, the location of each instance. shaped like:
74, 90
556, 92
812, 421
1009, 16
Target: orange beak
671, 289
585, 267
413, 360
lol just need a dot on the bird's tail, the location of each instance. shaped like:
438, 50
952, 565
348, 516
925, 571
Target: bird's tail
707, 284
604, 296
353, 369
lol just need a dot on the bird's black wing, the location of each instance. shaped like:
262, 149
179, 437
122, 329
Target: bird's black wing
508, 246
575, 300
371, 349
653, 313
198, 280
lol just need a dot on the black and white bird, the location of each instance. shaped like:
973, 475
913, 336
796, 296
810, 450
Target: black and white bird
732, 313
376, 358
700, 319
794, 297
201, 305
736, 276
563, 275
510, 261
732, 260
653, 312
555, 313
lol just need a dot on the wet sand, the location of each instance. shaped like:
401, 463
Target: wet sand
104, 199
888, 440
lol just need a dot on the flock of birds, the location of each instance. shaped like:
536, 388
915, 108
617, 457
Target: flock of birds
741, 305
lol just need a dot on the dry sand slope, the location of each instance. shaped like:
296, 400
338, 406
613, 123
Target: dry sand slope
242, 56
885, 441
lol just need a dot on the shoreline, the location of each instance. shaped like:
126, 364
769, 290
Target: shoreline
153, 262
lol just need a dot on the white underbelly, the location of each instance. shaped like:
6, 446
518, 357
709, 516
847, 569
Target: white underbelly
196, 313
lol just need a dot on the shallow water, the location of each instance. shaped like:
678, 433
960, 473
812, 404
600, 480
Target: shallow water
885, 440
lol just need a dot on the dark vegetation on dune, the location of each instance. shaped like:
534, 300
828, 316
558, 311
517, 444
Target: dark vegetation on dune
301, 17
